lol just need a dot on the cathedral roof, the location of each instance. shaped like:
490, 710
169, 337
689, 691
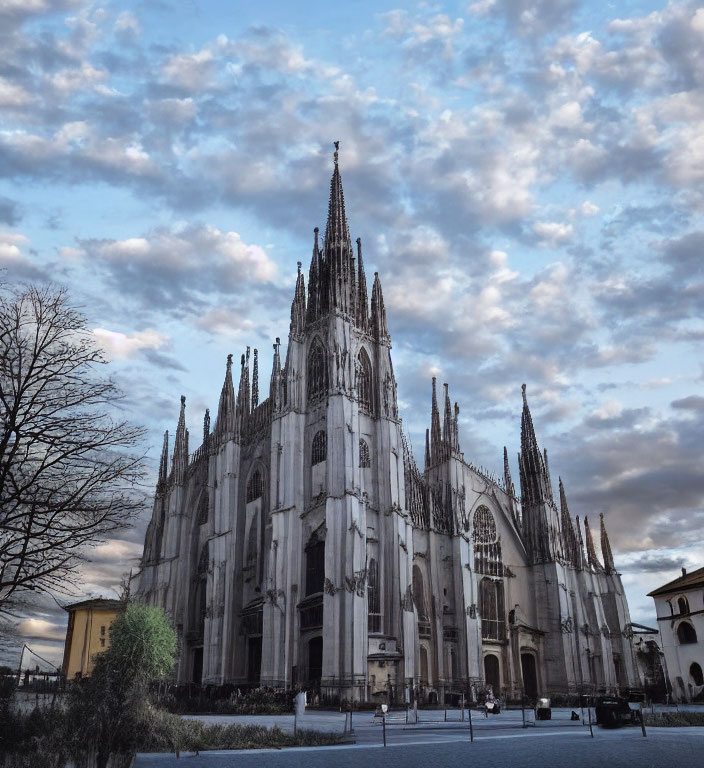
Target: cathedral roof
685, 581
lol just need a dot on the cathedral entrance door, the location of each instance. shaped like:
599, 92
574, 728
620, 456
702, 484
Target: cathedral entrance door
254, 659
492, 676
197, 665
315, 660
530, 677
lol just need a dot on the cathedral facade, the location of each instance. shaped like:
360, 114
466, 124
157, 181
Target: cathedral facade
301, 546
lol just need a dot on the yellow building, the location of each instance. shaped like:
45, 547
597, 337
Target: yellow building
87, 634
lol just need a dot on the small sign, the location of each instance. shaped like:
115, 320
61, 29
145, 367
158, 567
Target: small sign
384, 708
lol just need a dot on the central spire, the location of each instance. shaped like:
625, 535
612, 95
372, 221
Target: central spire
332, 285
337, 233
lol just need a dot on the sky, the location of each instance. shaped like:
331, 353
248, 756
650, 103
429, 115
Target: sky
527, 177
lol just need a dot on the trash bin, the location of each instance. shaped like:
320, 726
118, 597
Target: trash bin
612, 711
542, 709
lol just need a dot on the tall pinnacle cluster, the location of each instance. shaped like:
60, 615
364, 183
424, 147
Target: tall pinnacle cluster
547, 539
337, 281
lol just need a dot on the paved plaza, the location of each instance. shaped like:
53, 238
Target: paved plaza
498, 741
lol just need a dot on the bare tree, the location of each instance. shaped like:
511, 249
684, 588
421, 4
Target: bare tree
69, 474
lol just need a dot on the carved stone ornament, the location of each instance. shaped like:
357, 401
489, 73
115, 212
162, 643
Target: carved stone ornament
628, 632
472, 611
355, 527
407, 602
329, 587
357, 582
566, 626
604, 630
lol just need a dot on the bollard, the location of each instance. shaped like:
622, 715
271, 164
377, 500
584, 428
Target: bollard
642, 720
462, 707
589, 709
446, 714
471, 730
523, 712
383, 725
295, 715
351, 728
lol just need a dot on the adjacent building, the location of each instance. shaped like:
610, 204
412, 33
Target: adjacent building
301, 545
679, 605
87, 634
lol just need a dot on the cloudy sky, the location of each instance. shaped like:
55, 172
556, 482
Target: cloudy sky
527, 176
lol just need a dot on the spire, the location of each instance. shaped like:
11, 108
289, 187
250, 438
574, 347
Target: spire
339, 259
606, 553
362, 299
379, 328
313, 310
591, 552
447, 435
427, 448
179, 461
206, 425
580, 542
163, 464
528, 440
547, 473
275, 381
508, 482
456, 426
298, 306
225, 422
536, 495
242, 403
435, 436
255, 380
572, 550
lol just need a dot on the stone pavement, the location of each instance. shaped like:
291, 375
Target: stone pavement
492, 748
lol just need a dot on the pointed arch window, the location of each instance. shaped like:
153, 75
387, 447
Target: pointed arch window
319, 448
317, 371
364, 460
419, 600
487, 546
373, 597
491, 609
364, 381
683, 604
315, 565
255, 486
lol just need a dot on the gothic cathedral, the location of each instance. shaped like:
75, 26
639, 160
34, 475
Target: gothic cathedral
301, 546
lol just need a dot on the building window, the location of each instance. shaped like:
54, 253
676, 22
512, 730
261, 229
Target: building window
487, 547
491, 609
364, 381
683, 604
419, 600
319, 449
686, 633
317, 371
373, 601
364, 460
315, 565
254, 486
102, 642
696, 673
102, 630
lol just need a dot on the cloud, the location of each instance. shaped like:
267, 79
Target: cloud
177, 270
691, 403
119, 345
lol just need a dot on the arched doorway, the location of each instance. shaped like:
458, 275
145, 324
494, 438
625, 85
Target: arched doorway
423, 666
530, 675
492, 676
315, 660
